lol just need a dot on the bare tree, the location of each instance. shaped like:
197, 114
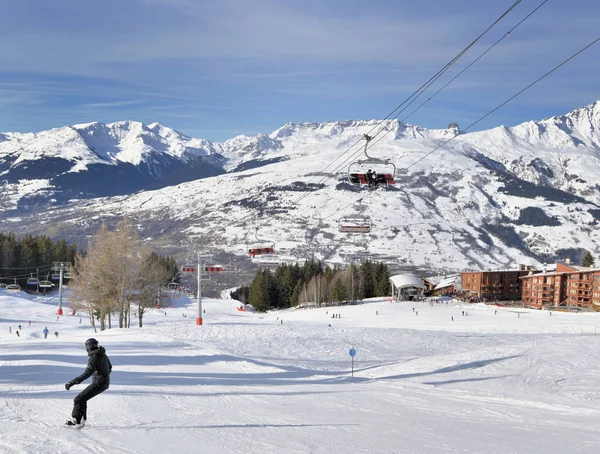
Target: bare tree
115, 272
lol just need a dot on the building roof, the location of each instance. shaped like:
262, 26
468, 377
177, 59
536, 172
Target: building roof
560, 273
406, 280
434, 280
448, 281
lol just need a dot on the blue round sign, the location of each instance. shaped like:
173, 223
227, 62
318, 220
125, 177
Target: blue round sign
352, 352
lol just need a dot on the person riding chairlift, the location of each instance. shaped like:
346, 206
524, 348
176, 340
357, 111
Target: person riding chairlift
372, 179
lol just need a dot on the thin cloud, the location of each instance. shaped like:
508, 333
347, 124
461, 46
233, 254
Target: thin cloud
103, 105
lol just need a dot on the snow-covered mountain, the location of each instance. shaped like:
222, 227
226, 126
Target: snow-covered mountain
96, 159
488, 199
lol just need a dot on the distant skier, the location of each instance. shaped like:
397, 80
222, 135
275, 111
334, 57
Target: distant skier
20, 328
99, 368
45, 332
9, 330
18, 335
56, 333
29, 322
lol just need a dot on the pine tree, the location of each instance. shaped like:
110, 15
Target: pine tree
366, 279
588, 260
339, 290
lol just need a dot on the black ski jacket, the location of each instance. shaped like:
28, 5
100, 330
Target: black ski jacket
98, 367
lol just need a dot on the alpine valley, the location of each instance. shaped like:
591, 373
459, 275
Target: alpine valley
489, 199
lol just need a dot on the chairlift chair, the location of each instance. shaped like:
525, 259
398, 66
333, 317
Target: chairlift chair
68, 272
173, 286
269, 261
2, 285
13, 287
371, 171
213, 269
189, 269
32, 281
260, 248
355, 224
46, 284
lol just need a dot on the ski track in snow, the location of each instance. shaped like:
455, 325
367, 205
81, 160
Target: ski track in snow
244, 383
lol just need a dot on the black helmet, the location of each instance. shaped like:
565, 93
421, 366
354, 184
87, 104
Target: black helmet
91, 345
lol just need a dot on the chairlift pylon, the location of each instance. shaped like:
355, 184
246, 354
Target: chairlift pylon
371, 171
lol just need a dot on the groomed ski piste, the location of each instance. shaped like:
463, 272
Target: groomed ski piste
516, 382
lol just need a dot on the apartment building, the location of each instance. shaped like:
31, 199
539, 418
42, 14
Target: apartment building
494, 285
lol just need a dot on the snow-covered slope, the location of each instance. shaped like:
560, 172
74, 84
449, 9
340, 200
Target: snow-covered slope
518, 381
488, 199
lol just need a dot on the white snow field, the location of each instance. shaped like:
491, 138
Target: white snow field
515, 382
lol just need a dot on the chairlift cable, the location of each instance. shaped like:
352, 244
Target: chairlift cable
509, 99
354, 155
415, 95
506, 35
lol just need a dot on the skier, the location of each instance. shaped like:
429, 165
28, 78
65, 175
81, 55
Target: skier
20, 328
10, 330
99, 368
45, 332
56, 333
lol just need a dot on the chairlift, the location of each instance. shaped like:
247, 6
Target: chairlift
261, 248
358, 223
55, 277
46, 284
173, 286
213, 269
13, 287
269, 261
32, 281
371, 171
68, 272
189, 269
2, 285
355, 224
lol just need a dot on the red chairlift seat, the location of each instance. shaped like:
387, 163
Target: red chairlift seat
355, 224
213, 269
382, 171
260, 251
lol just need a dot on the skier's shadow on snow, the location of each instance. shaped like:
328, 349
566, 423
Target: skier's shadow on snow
147, 427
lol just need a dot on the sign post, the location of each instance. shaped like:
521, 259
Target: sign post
352, 355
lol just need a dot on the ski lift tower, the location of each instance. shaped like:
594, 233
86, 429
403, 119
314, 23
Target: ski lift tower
60, 267
187, 269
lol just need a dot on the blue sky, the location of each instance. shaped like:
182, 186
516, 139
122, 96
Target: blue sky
218, 68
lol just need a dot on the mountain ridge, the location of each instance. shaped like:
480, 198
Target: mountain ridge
487, 199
